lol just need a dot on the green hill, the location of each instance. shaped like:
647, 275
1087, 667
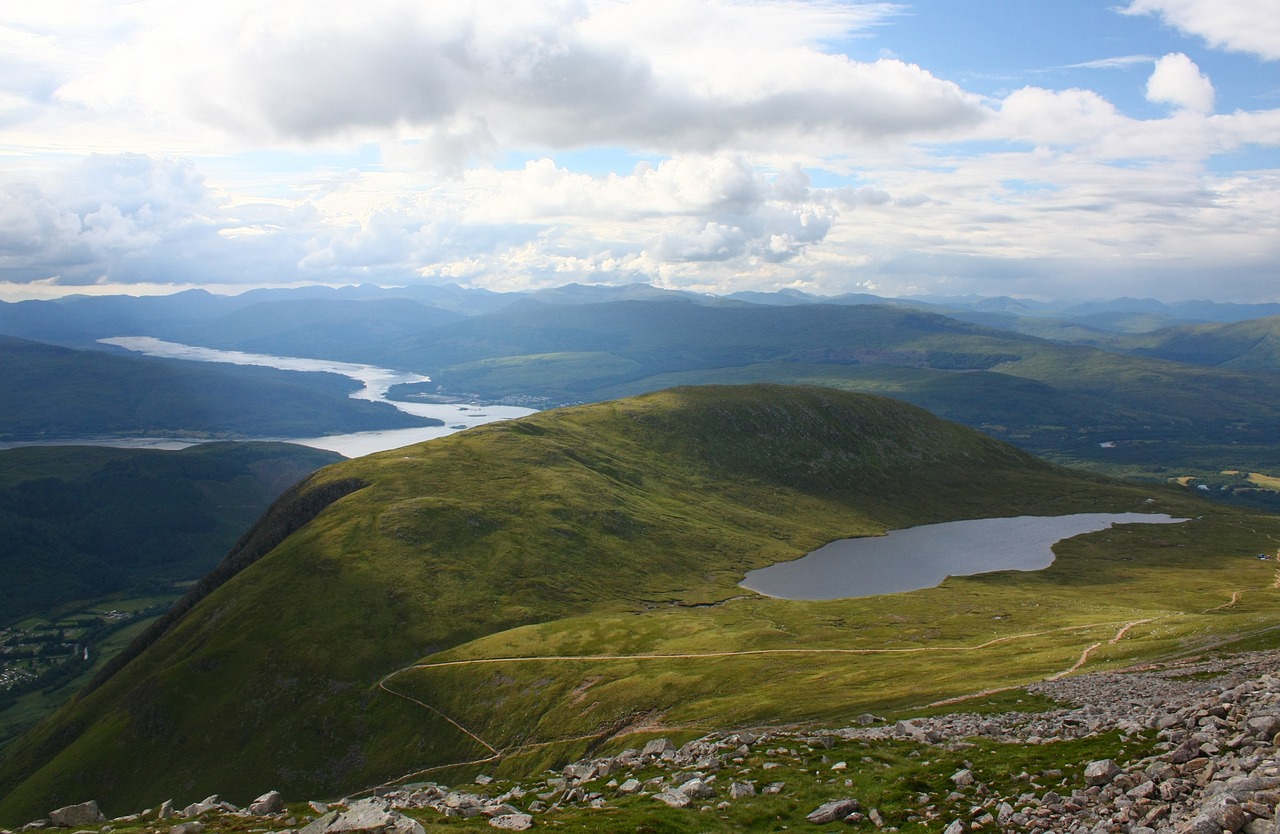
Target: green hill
608, 540
52, 393
1247, 345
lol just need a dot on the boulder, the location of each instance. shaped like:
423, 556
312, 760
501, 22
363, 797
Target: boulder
512, 822
738, 790
657, 747
373, 815
269, 803
74, 816
833, 811
673, 798
1100, 772
697, 789
192, 827
1225, 812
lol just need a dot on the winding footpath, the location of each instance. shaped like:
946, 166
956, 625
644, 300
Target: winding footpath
497, 754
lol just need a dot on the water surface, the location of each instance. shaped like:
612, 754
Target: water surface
921, 557
375, 383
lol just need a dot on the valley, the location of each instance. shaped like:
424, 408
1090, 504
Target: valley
565, 585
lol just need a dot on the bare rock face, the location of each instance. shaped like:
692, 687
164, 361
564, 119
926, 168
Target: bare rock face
75, 816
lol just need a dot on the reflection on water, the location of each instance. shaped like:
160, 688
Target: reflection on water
375, 381
921, 557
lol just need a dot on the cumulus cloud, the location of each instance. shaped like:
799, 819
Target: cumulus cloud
465, 76
1238, 25
1178, 81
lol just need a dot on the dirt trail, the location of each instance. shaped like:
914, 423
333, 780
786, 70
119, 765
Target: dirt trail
497, 754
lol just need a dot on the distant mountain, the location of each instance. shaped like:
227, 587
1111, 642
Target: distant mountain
80, 522
1048, 397
1248, 345
643, 509
320, 328
54, 393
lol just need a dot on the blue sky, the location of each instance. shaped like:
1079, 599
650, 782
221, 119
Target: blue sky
1038, 149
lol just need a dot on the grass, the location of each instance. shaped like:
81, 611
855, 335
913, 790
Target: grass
622, 528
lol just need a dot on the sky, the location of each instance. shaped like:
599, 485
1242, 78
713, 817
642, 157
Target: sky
1029, 148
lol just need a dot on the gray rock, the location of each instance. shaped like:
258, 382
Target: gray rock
1185, 752
1263, 726
673, 798
833, 811
512, 822
166, 811
373, 815
630, 786
956, 827
963, 778
72, 816
1100, 772
269, 803
1201, 825
657, 747
1225, 811
697, 789
737, 790
192, 827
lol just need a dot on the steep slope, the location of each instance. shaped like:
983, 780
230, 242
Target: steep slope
80, 522
593, 518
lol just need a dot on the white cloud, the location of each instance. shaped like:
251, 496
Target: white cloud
467, 76
1178, 81
1238, 25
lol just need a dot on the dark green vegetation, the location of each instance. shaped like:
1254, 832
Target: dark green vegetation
53, 393
80, 522
98, 542
598, 550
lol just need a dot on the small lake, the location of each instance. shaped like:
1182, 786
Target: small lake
375, 382
921, 557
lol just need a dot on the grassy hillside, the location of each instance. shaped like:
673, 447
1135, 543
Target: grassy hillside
1247, 345
79, 522
618, 529
53, 393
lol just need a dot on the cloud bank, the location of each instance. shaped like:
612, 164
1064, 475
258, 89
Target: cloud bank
519, 145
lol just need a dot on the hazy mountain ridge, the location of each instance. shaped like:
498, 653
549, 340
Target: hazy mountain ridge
54, 393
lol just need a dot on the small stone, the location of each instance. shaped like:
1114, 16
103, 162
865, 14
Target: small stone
193, 827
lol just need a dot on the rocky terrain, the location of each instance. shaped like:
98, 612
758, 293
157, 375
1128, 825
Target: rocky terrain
1206, 732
